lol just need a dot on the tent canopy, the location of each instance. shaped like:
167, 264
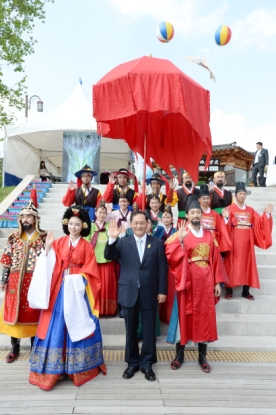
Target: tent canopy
42, 139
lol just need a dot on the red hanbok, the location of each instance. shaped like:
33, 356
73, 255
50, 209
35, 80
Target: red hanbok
246, 229
196, 267
214, 223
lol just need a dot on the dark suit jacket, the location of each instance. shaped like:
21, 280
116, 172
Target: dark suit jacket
151, 273
263, 157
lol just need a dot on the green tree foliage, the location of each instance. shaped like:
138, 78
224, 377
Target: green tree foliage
17, 20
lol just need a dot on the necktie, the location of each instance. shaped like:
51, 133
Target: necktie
140, 250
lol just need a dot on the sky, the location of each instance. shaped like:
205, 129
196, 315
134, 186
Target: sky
87, 38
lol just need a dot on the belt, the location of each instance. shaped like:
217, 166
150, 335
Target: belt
219, 210
198, 258
182, 214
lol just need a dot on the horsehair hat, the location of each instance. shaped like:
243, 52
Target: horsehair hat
204, 190
78, 212
156, 177
240, 187
124, 172
192, 203
86, 169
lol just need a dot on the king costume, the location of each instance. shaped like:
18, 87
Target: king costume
68, 340
21, 252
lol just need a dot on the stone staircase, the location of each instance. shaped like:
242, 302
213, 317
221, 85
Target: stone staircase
243, 325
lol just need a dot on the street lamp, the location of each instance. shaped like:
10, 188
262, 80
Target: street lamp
28, 103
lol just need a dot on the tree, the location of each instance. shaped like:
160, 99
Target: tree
17, 19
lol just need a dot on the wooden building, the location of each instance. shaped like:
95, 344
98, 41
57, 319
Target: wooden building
235, 161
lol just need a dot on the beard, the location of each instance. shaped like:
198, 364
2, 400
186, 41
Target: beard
27, 226
195, 222
220, 184
188, 185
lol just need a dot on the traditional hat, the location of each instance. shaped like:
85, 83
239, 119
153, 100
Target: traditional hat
101, 205
204, 190
192, 203
153, 196
135, 207
123, 195
86, 169
29, 209
240, 187
156, 177
124, 172
78, 212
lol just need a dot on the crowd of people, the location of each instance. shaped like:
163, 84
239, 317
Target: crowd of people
134, 259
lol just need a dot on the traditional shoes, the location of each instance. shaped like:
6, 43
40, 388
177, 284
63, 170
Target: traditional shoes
202, 351
179, 358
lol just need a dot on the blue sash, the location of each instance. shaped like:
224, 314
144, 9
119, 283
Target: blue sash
91, 213
117, 207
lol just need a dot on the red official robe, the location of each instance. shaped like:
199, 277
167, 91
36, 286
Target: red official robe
82, 261
214, 223
246, 229
196, 267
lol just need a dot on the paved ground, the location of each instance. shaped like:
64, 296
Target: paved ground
231, 388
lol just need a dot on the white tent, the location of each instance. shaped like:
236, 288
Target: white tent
42, 139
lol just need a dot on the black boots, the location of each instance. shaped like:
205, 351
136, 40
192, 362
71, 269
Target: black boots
202, 351
14, 353
246, 293
179, 358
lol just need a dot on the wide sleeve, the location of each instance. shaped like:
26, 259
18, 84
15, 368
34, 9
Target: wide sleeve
263, 230
139, 200
220, 275
69, 198
224, 239
172, 198
177, 261
108, 194
89, 271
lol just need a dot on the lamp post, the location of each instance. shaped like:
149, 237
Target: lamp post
28, 103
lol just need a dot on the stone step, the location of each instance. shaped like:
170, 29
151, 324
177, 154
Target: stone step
246, 324
266, 271
263, 304
269, 250
266, 258
267, 287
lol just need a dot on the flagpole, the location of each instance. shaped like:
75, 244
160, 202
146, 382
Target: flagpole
144, 174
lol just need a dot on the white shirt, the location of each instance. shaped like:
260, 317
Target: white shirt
257, 157
29, 235
143, 239
87, 191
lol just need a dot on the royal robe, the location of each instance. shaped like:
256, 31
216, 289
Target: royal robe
246, 228
196, 267
214, 223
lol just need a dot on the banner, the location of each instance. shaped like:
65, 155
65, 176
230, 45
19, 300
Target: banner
79, 149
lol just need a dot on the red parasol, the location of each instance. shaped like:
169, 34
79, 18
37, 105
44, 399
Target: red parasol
158, 110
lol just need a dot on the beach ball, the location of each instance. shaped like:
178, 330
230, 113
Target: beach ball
223, 35
165, 32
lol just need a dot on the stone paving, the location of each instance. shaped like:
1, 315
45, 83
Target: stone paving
231, 388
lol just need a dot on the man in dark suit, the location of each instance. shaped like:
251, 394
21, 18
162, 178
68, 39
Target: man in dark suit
260, 164
142, 284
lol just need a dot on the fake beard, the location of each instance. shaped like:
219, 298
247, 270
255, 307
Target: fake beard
195, 222
220, 185
188, 185
26, 226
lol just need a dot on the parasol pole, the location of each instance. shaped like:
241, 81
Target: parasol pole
144, 174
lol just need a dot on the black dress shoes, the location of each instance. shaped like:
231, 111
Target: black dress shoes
149, 374
129, 372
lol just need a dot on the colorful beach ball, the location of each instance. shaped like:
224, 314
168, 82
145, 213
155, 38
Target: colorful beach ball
223, 35
165, 32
